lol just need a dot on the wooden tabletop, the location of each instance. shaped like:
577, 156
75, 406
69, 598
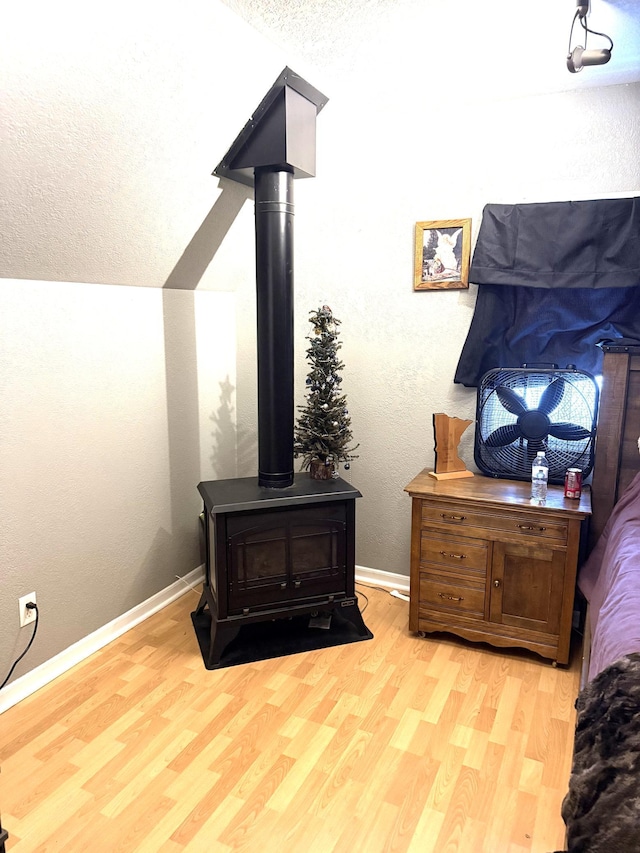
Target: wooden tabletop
493, 490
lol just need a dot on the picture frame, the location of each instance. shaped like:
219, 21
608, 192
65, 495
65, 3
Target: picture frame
442, 254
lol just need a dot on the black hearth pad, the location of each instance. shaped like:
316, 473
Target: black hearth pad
276, 638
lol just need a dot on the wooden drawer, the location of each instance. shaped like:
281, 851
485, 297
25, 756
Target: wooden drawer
475, 522
453, 595
463, 555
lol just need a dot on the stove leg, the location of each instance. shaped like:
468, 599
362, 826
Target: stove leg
203, 601
222, 633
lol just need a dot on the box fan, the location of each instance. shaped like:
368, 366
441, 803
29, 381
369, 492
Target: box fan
521, 411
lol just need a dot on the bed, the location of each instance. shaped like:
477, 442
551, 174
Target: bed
602, 807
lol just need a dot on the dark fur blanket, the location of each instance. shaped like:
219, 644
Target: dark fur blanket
602, 808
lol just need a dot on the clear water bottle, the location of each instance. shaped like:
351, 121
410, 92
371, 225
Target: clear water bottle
539, 478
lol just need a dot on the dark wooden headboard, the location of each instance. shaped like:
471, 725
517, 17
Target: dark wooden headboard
617, 459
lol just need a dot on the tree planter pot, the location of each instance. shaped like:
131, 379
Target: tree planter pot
319, 470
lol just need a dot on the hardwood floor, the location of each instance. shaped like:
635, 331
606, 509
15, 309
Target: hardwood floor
393, 744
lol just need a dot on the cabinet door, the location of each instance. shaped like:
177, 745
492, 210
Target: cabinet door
527, 585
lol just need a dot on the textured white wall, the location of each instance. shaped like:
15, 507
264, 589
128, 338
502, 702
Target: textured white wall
115, 401
106, 395
384, 165
112, 121
426, 120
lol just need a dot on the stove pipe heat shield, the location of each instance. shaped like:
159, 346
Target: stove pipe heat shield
276, 146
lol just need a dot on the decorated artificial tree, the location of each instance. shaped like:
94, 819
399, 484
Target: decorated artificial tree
323, 429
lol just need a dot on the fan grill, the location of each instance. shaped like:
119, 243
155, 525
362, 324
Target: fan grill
520, 412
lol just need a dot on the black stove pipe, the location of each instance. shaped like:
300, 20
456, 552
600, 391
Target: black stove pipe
274, 284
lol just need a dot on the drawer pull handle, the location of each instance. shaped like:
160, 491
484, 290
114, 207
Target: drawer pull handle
496, 584
455, 556
297, 584
450, 517
450, 597
532, 527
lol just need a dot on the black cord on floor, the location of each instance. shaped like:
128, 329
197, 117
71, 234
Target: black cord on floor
33, 636
373, 586
365, 598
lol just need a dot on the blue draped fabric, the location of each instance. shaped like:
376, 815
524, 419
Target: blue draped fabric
554, 280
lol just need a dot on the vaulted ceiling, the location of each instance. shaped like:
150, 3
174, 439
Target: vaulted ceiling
507, 47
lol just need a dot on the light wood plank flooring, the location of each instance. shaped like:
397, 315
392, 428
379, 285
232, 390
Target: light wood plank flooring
393, 744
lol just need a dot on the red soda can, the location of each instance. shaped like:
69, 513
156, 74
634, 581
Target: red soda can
573, 483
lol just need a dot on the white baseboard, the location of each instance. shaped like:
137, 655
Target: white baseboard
60, 663
55, 666
386, 580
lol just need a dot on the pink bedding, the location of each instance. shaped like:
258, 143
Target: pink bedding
610, 581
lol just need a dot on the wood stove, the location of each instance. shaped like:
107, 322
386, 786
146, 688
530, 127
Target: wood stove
279, 544
273, 554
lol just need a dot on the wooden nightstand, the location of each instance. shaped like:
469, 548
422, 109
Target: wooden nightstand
489, 566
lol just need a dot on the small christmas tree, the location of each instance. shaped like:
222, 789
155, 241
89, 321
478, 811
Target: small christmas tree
322, 432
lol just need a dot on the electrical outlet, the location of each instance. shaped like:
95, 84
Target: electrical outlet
26, 615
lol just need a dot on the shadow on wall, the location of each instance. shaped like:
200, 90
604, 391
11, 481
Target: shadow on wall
181, 366
188, 272
247, 452
170, 555
223, 455
183, 415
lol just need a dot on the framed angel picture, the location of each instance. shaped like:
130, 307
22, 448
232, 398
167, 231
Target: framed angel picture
442, 253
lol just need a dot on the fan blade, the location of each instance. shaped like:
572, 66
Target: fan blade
503, 435
551, 396
510, 400
569, 432
557, 464
534, 446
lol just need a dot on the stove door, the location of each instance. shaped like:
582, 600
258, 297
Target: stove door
286, 555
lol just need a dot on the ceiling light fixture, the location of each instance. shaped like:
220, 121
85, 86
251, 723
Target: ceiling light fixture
580, 56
